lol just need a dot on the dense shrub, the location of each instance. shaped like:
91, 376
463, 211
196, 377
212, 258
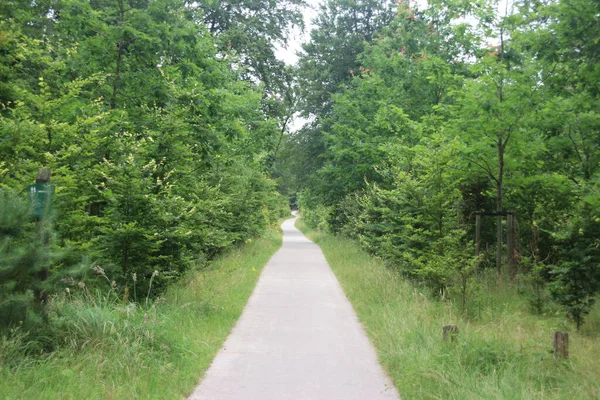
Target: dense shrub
159, 148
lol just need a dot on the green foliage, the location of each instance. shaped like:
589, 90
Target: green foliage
436, 119
574, 287
20, 262
252, 28
317, 217
105, 347
575, 279
536, 292
327, 62
27, 252
331, 57
159, 147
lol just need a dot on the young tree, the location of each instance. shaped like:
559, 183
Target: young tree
330, 58
155, 142
252, 28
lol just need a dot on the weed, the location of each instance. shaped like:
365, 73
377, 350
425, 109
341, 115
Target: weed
501, 352
106, 349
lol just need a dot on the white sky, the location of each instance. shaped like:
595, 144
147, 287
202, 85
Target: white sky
289, 55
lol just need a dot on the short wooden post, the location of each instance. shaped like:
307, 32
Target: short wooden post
560, 344
477, 233
450, 332
43, 175
511, 245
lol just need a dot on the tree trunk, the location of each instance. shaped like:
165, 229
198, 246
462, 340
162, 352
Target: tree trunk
477, 234
499, 230
119, 59
511, 242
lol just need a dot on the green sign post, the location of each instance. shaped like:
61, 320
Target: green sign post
41, 195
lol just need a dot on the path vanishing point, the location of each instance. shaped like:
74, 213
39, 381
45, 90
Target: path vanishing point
298, 337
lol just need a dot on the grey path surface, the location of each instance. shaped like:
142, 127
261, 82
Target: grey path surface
298, 337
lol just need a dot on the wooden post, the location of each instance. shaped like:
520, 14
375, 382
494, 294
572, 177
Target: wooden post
450, 332
499, 241
560, 344
511, 245
477, 234
43, 176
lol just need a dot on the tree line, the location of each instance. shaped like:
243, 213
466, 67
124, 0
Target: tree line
423, 117
159, 121
165, 126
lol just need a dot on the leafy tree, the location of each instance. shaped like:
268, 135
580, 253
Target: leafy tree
328, 61
575, 278
330, 58
493, 109
435, 123
27, 251
252, 28
159, 149
560, 35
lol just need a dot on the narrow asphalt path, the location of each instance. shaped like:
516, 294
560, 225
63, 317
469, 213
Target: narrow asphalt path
298, 337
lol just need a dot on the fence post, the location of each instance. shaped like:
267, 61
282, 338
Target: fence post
450, 332
477, 233
560, 344
41, 296
511, 245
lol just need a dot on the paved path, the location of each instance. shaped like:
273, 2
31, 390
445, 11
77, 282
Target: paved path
298, 337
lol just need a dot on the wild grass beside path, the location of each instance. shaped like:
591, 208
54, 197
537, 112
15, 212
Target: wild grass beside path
132, 352
503, 353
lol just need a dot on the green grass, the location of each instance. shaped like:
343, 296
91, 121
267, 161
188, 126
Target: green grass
502, 350
130, 352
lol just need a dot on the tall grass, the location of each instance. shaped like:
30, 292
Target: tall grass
501, 352
109, 350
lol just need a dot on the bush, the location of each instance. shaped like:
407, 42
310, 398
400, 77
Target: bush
315, 215
575, 278
24, 256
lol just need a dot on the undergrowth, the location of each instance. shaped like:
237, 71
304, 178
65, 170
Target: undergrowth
98, 347
503, 350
